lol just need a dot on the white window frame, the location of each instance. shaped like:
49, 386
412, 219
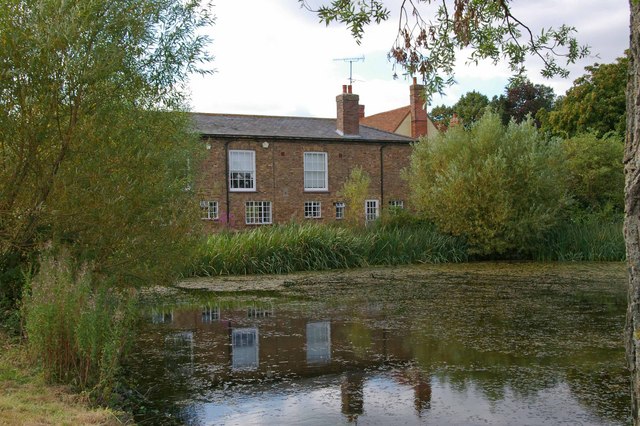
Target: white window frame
371, 210
263, 214
340, 208
233, 168
209, 210
312, 209
398, 204
311, 184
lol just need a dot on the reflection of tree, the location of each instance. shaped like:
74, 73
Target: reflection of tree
352, 395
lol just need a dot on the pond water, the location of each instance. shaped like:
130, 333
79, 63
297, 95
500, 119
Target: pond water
499, 344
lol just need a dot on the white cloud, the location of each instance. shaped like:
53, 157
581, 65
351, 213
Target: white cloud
274, 58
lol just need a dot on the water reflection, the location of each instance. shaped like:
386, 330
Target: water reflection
318, 342
413, 353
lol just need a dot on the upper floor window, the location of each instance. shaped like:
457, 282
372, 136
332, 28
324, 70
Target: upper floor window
242, 170
315, 171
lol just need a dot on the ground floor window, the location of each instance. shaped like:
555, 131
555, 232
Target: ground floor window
339, 210
312, 209
370, 210
209, 210
398, 204
257, 212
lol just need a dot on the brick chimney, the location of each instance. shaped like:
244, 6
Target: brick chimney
419, 120
348, 120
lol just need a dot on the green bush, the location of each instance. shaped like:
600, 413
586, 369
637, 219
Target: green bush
77, 332
499, 187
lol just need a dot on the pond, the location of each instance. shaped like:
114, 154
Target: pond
489, 343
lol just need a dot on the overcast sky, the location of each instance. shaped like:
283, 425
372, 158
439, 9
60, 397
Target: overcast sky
274, 58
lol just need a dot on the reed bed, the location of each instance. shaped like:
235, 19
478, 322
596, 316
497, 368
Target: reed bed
587, 240
311, 247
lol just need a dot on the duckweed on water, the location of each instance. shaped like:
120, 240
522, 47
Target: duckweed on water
441, 344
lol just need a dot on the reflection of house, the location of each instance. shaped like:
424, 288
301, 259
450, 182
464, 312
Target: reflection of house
244, 349
264, 169
411, 120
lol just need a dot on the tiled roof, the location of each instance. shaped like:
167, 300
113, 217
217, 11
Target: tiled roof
283, 127
388, 121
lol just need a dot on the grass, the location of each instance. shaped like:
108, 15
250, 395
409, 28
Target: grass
25, 398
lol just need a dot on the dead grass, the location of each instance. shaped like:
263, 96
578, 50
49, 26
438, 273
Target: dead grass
25, 399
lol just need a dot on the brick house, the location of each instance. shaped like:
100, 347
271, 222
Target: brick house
264, 169
411, 120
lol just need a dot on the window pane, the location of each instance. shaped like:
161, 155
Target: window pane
315, 170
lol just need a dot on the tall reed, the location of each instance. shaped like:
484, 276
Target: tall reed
590, 239
309, 247
76, 330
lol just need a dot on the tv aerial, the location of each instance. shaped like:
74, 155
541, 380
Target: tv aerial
351, 61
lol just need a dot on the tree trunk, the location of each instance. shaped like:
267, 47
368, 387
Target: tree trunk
632, 208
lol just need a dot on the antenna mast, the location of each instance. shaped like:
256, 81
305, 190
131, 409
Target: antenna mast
351, 61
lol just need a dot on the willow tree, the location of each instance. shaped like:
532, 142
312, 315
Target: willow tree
94, 153
428, 46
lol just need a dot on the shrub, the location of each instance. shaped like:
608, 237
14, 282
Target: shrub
75, 330
500, 187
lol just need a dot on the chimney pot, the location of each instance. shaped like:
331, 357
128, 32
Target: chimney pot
349, 89
344, 88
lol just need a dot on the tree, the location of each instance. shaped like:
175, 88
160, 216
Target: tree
491, 31
470, 107
500, 187
523, 98
632, 208
355, 190
428, 45
441, 115
595, 102
93, 154
594, 172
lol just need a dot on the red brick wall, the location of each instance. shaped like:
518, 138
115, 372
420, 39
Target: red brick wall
280, 177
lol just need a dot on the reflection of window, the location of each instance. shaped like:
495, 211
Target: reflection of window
339, 210
371, 210
242, 170
312, 209
315, 171
179, 352
257, 212
209, 210
259, 313
161, 317
210, 314
318, 342
244, 349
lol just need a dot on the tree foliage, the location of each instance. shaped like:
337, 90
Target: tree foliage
594, 171
523, 98
90, 155
428, 45
596, 102
355, 191
469, 108
498, 186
